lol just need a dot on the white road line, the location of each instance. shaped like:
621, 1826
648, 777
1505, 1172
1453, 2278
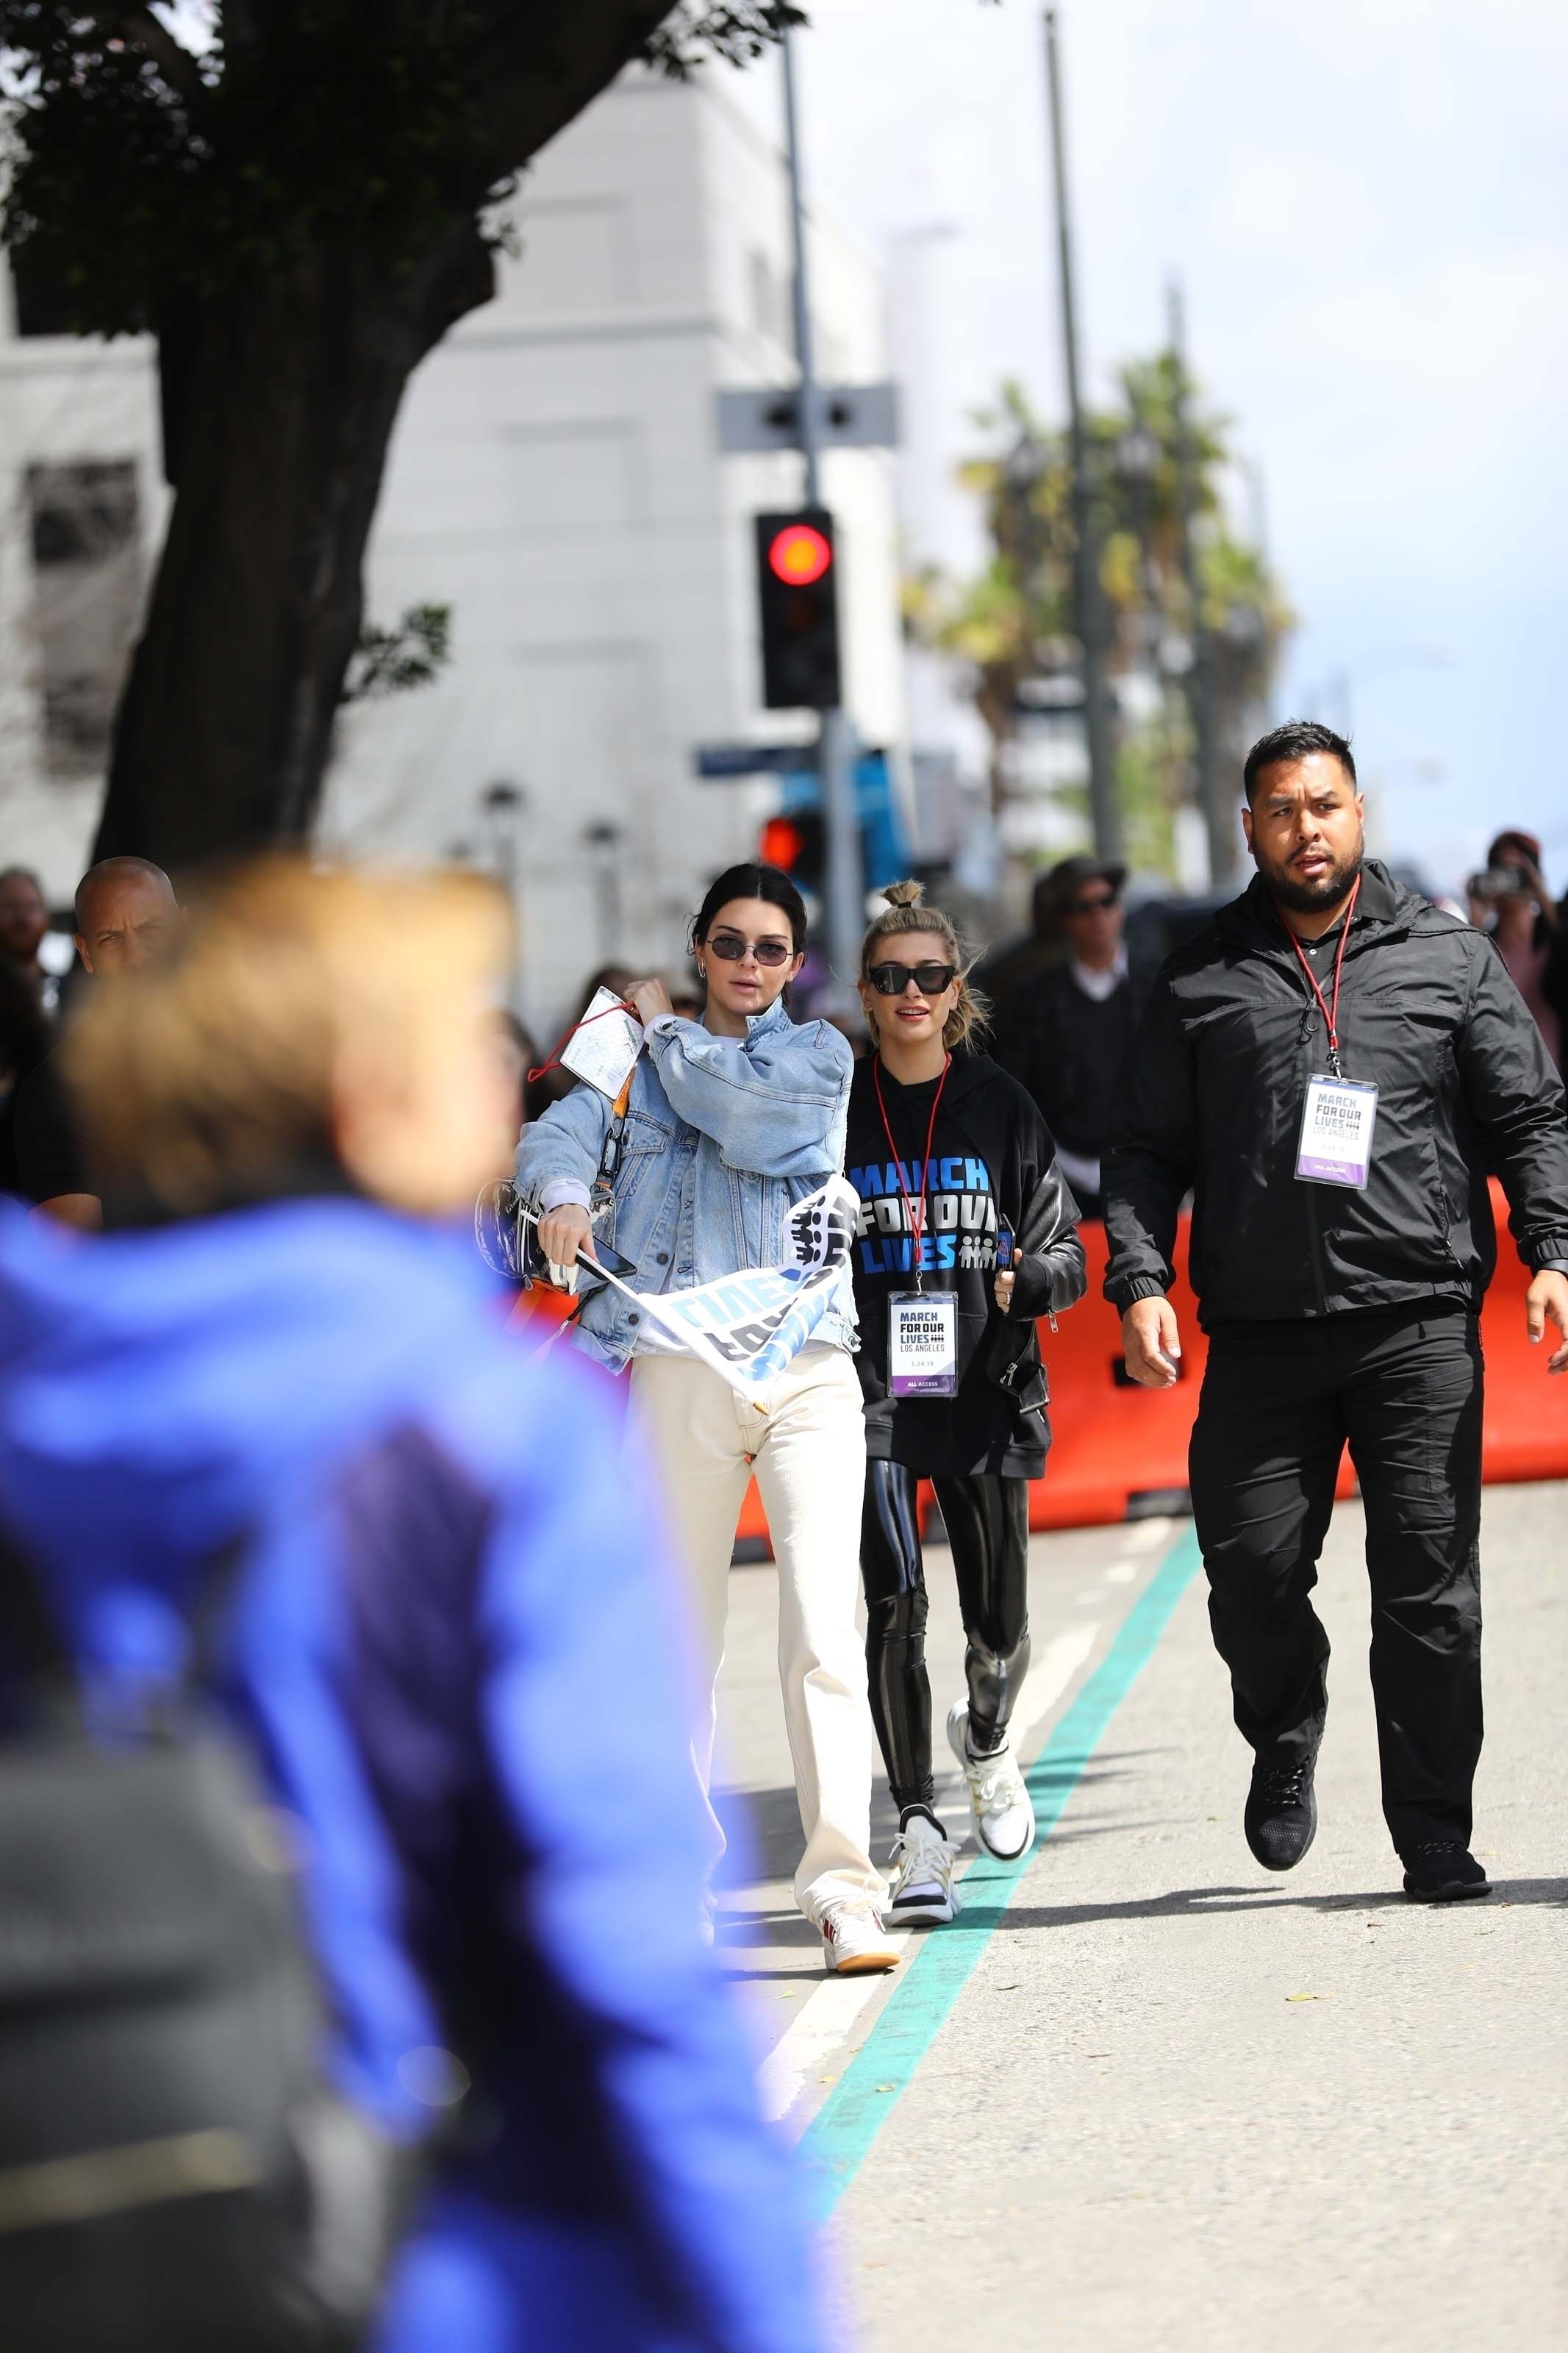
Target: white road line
1142, 1538
827, 2018
1147, 1535
1049, 1677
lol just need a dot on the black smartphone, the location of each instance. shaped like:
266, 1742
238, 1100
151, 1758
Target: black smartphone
611, 1261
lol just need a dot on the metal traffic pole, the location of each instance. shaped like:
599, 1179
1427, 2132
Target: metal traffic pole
1219, 807
1088, 601
843, 892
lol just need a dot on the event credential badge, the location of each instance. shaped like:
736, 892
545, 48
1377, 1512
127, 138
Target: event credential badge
923, 1345
1336, 1133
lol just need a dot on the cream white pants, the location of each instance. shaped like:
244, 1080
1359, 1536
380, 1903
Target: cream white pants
807, 1445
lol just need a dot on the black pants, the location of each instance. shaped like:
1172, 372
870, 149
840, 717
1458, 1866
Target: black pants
1278, 1403
988, 1527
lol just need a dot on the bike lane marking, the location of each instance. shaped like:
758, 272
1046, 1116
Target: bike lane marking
829, 2017
839, 2137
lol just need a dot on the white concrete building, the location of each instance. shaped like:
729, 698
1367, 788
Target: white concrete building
556, 478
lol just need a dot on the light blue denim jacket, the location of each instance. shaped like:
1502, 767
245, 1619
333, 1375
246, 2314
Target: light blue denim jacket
722, 1136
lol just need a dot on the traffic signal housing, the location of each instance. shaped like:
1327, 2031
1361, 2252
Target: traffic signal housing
798, 598
797, 841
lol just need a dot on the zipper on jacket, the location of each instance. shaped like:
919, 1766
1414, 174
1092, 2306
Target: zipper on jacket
1316, 1249
1315, 1244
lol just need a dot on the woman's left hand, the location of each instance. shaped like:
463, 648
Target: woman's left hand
648, 1000
1002, 1288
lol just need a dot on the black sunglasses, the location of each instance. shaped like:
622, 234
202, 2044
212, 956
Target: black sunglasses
1092, 906
931, 979
730, 948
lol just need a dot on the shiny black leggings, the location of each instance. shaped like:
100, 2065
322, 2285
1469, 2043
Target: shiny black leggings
988, 1527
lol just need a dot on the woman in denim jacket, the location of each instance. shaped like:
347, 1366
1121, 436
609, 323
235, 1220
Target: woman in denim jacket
731, 1121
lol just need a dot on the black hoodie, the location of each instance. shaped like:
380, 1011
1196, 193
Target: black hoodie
991, 1159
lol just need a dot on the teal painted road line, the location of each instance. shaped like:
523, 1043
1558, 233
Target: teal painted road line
840, 2135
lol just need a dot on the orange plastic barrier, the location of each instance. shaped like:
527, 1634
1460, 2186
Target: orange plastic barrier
1117, 1449
1113, 1445
1526, 1433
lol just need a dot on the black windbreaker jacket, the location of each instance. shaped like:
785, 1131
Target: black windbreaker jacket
1211, 1098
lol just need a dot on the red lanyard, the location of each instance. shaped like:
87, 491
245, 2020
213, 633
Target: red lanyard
917, 1227
1330, 1011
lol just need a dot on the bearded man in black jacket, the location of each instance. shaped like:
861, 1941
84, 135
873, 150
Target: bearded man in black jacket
1331, 1067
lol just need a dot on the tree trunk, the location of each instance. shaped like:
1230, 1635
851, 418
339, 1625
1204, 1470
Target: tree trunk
288, 391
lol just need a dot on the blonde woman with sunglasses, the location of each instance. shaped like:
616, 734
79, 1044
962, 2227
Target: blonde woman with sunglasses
968, 1232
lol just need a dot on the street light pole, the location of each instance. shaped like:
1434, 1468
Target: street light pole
842, 891
1087, 600
1217, 806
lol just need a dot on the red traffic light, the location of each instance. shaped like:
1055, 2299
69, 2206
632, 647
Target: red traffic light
781, 844
799, 554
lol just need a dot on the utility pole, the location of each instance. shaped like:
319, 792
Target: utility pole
1218, 805
842, 893
1088, 598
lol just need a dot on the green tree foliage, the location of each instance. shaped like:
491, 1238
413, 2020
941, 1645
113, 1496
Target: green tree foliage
143, 171
392, 661
1012, 623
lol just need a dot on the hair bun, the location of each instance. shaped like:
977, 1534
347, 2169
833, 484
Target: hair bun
904, 895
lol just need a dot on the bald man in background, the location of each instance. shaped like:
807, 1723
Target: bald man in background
127, 917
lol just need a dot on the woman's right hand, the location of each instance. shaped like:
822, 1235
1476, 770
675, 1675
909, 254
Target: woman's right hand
562, 1232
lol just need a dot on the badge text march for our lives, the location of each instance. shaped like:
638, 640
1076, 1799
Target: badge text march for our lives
961, 1229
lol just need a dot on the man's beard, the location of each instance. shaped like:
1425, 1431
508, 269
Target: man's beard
1305, 898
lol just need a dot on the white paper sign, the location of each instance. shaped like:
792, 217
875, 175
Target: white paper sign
747, 1326
605, 1045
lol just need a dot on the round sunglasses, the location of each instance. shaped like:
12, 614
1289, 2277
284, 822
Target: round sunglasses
931, 979
730, 948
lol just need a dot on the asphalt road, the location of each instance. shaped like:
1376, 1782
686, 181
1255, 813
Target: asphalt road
1147, 2095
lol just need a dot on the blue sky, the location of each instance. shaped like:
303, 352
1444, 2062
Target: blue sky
1367, 201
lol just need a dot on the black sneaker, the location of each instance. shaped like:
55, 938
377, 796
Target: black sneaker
1282, 1817
1443, 1871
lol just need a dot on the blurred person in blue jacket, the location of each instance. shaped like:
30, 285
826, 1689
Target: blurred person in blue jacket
455, 1649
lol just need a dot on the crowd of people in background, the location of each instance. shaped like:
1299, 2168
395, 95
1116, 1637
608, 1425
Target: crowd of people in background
1509, 898
1064, 1001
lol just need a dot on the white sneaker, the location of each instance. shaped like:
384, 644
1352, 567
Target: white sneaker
1004, 1817
854, 1941
923, 1889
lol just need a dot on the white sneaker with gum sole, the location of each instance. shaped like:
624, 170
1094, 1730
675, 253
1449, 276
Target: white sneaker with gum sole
854, 1941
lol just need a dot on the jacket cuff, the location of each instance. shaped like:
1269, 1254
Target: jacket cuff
1547, 1250
1124, 1291
559, 1191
